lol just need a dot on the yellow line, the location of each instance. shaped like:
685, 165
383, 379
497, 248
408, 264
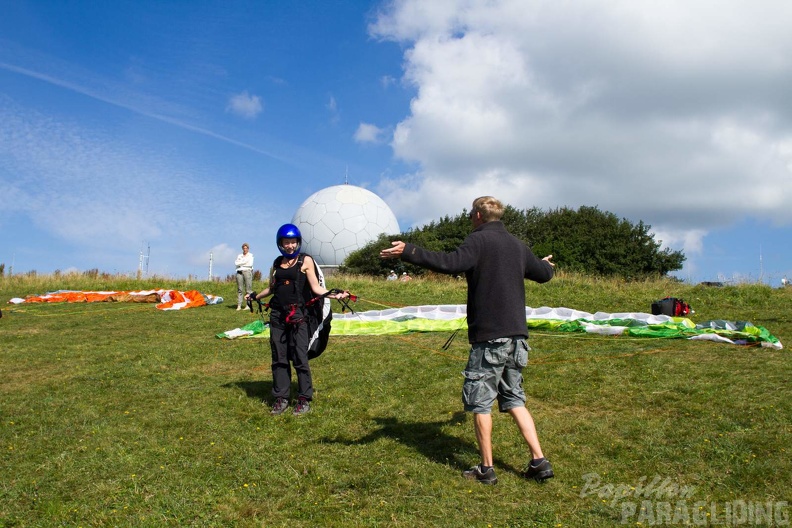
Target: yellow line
549, 361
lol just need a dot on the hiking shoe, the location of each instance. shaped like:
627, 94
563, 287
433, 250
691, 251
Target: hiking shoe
280, 405
540, 472
302, 407
485, 477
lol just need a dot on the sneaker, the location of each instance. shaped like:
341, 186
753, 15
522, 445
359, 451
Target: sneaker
280, 405
540, 472
485, 477
239, 308
302, 407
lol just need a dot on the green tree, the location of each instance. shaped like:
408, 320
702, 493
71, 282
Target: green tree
585, 240
591, 241
442, 235
366, 261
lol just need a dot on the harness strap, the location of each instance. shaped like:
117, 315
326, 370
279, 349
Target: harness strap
300, 277
293, 319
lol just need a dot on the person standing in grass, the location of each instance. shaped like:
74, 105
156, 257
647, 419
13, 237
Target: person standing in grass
495, 264
293, 277
244, 274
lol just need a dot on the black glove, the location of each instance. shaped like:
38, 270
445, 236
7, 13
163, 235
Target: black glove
250, 298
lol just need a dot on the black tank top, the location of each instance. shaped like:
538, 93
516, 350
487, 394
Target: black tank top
286, 283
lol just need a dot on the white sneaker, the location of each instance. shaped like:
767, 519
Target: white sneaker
239, 308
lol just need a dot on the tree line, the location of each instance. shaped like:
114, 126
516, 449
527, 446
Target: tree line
585, 240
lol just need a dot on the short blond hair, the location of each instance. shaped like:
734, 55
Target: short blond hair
488, 207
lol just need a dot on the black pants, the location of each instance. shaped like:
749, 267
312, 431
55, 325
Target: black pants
289, 345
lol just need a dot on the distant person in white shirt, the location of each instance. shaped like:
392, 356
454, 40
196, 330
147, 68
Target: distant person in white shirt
244, 274
392, 276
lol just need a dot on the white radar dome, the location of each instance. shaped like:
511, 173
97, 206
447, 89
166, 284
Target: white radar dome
338, 220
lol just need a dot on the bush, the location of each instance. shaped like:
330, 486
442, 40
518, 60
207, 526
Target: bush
585, 240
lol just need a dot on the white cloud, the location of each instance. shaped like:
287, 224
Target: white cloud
387, 81
332, 107
368, 133
93, 192
673, 113
245, 105
222, 256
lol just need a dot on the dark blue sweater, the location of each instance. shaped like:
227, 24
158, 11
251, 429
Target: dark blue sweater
495, 264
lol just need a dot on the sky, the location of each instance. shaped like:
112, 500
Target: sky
179, 130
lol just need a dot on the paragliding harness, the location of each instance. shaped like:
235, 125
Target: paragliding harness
671, 306
316, 311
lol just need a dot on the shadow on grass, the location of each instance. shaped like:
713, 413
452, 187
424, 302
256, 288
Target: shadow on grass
260, 390
429, 439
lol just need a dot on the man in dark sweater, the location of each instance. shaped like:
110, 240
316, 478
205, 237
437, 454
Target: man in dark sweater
495, 264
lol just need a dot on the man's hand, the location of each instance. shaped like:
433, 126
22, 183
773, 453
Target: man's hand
547, 259
393, 252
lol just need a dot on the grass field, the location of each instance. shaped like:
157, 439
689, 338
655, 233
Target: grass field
123, 415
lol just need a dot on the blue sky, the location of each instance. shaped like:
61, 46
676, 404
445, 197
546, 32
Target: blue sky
190, 127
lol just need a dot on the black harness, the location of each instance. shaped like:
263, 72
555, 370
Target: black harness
291, 291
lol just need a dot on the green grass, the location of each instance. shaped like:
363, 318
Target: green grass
122, 415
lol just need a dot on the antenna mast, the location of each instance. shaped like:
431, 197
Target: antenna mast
143, 258
210, 265
761, 267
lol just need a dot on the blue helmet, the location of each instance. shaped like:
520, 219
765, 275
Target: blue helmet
288, 231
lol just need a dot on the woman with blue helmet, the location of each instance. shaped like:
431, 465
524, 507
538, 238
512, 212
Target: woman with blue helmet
291, 275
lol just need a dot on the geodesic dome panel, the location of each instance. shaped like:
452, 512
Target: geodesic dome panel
338, 220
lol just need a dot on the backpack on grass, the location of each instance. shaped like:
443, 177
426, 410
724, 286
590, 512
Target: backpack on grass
671, 306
